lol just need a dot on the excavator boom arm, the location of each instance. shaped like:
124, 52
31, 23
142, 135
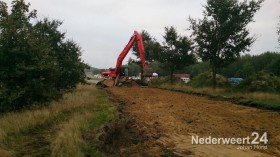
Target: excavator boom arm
115, 74
135, 38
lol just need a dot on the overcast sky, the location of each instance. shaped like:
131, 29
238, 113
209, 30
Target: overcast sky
103, 27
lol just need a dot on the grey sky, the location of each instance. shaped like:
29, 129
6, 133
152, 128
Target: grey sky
103, 27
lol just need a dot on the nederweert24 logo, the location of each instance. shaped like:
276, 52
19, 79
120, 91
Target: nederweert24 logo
254, 141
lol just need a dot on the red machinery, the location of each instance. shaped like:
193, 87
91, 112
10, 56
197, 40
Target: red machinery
115, 75
136, 37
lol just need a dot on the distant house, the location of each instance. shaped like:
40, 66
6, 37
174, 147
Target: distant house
184, 77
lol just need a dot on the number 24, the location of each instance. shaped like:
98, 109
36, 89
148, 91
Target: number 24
256, 136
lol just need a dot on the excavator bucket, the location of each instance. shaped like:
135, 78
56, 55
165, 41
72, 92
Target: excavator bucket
109, 83
106, 83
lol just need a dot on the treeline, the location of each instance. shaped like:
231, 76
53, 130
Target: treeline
248, 65
259, 73
215, 45
244, 67
37, 63
218, 38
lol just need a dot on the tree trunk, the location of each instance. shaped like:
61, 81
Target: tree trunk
171, 76
214, 72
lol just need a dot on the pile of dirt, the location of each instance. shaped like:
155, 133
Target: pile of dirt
122, 82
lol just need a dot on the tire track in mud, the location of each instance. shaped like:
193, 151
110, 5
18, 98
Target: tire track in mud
169, 119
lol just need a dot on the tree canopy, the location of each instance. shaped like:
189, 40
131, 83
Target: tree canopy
176, 51
151, 47
248, 65
37, 63
221, 34
174, 54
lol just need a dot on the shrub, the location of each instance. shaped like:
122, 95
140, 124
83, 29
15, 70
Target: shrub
165, 80
37, 64
260, 82
205, 80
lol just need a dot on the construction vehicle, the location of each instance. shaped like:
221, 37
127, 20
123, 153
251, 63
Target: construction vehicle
117, 75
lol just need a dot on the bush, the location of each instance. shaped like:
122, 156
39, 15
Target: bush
37, 64
260, 82
205, 80
165, 80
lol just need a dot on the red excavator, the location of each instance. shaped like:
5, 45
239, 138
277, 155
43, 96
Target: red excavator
116, 75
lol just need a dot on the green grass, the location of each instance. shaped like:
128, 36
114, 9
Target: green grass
264, 100
57, 130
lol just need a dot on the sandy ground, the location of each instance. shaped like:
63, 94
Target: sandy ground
170, 120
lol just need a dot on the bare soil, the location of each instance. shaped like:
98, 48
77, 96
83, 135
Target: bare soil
167, 120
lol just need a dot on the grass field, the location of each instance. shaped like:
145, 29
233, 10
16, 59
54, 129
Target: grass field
56, 130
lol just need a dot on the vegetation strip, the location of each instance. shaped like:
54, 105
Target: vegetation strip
237, 100
35, 140
60, 133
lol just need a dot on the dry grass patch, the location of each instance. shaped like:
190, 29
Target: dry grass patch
59, 125
17, 121
260, 96
68, 140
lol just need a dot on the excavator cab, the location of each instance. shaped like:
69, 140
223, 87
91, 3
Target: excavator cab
124, 71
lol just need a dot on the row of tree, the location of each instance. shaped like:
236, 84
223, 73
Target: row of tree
218, 38
37, 63
175, 52
244, 67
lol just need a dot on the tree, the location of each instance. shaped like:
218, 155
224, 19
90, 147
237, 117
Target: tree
134, 69
21, 53
198, 68
176, 51
274, 67
36, 64
248, 65
151, 50
151, 47
67, 54
158, 68
242, 67
221, 34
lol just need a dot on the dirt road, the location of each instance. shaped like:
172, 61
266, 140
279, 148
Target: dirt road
170, 120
